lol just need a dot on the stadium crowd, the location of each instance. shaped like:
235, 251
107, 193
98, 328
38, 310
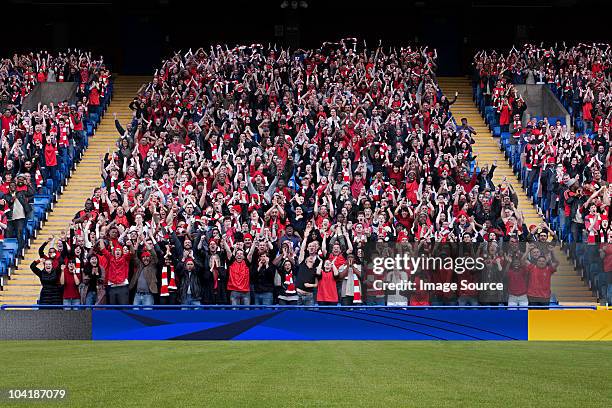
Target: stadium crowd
566, 172
254, 175
578, 75
36, 144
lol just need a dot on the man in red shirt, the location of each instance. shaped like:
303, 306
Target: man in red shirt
517, 282
538, 290
6, 120
117, 273
176, 147
239, 283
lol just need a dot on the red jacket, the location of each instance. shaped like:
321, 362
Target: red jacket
238, 277
118, 268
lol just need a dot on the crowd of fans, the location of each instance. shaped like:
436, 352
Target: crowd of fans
579, 75
36, 144
567, 172
256, 175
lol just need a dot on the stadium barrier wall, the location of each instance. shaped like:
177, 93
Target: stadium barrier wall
306, 323
45, 325
541, 101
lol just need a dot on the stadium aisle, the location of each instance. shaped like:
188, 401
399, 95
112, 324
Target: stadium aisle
566, 284
24, 286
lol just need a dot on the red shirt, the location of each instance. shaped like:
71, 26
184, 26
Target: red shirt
6, 122
77, 121
143, 150
118, 268
176, 148
71, 290
239, 277
94, 97
517, 281
326, 289
419, 297
338, 260
50, 155
398, 176
539, 281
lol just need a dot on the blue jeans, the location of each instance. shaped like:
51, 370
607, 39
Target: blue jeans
609, 294
71, 302
190, 301
467, 301
306, 300
514, 156
50, 173
144, 299
240, 298
91, 298
64, 155
375, 300
440, 301
264, 298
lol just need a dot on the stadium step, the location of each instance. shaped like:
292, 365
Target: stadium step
565, 284
24, 286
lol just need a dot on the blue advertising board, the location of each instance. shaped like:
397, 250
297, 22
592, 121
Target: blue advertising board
310, 324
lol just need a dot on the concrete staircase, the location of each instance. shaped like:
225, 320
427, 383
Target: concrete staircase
24, 286
566, 284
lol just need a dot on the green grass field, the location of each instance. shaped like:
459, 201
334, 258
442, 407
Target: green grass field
347, 374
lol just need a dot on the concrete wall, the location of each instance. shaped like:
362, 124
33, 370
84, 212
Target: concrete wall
541, 102
48, 92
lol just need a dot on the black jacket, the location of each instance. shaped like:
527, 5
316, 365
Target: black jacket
191, 280
51, 292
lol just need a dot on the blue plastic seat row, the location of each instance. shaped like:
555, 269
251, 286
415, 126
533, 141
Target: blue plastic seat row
586, 257
43, 200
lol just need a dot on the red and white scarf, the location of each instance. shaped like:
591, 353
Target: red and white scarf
77, 265
289, 284
165, 285
38, 178
356, 289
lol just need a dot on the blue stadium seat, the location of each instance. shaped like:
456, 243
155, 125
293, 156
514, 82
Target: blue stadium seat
43, 200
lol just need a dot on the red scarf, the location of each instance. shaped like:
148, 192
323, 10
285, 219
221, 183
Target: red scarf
289, 284
38, 178
165, 285
356, 289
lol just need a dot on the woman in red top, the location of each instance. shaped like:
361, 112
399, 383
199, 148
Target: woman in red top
327, 292
504, 115
71, 279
